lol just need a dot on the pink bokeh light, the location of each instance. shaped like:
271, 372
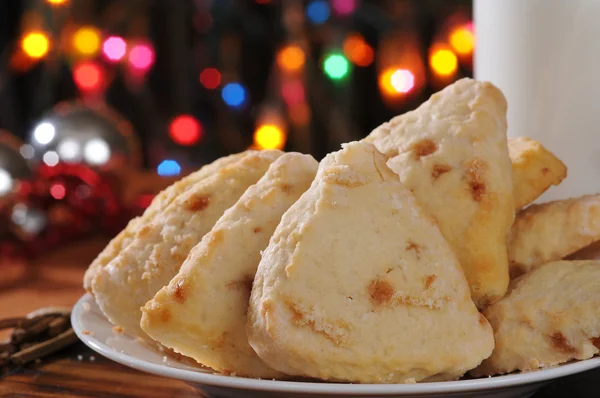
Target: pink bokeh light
141, 56
114, 48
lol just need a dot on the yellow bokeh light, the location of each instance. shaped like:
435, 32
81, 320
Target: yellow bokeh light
443, 62
269, 136
56, 2
86, 41
463, 41
291, 58
385, 82
35, 44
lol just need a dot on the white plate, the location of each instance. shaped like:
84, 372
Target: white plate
143, 356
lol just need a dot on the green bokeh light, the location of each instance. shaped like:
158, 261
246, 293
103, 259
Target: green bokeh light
336, 66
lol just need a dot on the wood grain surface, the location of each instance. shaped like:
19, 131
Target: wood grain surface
79, 372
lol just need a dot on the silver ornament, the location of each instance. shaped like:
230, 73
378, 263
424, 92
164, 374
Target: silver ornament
75, 133
13, 167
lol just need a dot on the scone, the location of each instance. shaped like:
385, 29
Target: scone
159, 203
452, 153
159, 247
357, 284
535, 169
552, 231
550, 316
202, 312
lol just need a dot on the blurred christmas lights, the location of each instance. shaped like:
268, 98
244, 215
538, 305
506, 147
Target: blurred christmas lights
336, 66
268, 136
6, 182
185, 130
300, 114
86, 41
88, 76
317, 11
394, 82
69, 150
291, 58
44, 133
443, 61
96, 152
56, 2
357, 50
50, 158
292, 92
58, 191
114, 48
35, 44
210, 78
462, 40
141, 57
168, 168
343, 7
234, 94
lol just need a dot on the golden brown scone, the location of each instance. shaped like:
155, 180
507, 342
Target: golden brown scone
358, 284
551, 231
207, 300
550, 316
160, 246
534, 168
452, 154
159, 203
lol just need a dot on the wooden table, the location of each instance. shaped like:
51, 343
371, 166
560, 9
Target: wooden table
79, 372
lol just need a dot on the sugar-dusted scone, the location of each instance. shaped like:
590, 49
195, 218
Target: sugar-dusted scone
358, 284
451, 152
535, 169
552, 231
202, 312
159, 203
550, 316
160, 246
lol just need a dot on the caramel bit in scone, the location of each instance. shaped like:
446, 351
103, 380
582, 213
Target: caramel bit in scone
381, 292
180, 291
117, 329
336, 331
424, 147
287, 188
165, 315
387, 271
144, 231
257, 230
482, 320
476, 179
439, 169
410, 245
545, 170
596, 342
429, 280
560, 343
197, 203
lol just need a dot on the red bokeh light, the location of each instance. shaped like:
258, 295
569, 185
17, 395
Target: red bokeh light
141, 56
185, 130
58, 191
210, 78
88, 76
293, 92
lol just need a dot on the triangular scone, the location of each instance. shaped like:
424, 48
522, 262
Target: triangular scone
160, 246
535, 169
159, 203
202, 312
552, 231
358, 284
550, 316
452, 154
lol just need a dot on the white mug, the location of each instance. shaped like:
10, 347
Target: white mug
545, 56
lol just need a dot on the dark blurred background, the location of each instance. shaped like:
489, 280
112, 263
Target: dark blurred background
98, 97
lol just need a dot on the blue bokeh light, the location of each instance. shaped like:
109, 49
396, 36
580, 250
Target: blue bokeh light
168, 168
317, 11
234, 94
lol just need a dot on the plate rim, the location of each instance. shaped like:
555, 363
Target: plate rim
235, 382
